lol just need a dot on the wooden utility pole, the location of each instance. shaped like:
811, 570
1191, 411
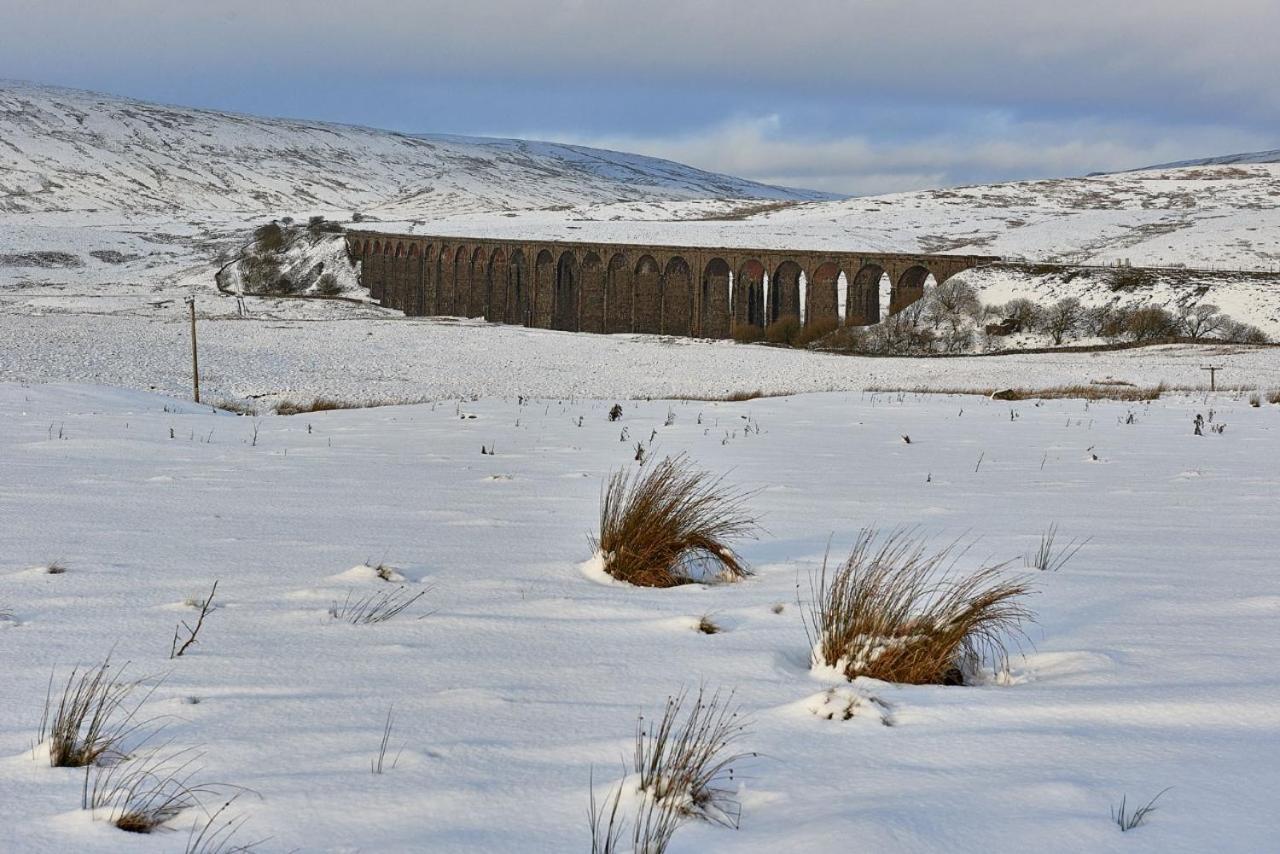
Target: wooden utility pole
195, 359
1213, 377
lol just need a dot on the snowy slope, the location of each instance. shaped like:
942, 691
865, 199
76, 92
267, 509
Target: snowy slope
1272, 156
68, 150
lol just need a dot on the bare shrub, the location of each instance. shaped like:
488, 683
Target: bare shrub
1050, 556
269, 237
1023, 314
1062, 319
785, 330
374, 608
671, 525
894, 610
816, 330
1151, 323
1200, 321
1243, 333
180, 645
747, 333
92, 718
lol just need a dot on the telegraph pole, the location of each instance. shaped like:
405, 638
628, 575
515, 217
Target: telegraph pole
195, 359
1213, 377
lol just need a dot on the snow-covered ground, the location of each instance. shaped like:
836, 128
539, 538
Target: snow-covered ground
516, 677
375, 359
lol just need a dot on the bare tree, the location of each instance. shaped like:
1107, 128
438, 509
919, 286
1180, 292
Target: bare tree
1201, 321
1062, 319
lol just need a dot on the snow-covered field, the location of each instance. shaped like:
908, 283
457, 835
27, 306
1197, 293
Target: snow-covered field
516, 677
339, 353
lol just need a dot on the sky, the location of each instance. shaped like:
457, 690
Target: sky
852, 96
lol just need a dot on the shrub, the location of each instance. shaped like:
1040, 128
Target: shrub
269, 238
1273, 396
951, 301
816, 330
1151, 323
328, 285
1243, 333
1200, 321
747, 333
671, 526
1061, 320
1023, 313
92, 718
259, 273
784, 330
893, 611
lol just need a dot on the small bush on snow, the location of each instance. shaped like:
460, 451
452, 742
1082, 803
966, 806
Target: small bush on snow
671, 525
894, 611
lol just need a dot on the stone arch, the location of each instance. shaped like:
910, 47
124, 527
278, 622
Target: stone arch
677, 297
518, 289
429, 279
592, 297
565, 308
617, 297
373, 272
862, 308
496, 282
647, 296
461, 281
908, 288
544, 279
393, 290
713, 300
784, 291
478, 278
413, 286
822, 295
748, 294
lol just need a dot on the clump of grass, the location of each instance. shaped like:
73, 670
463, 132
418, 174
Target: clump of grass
672, 525
1273, 396
239, 407
1255, 400
708, 626
1049, 556
374, 608
56, 567
684, 756
316, 404
1127, 820
896, 611
1092, 391
142, 793
652, 827
682, 770
92, 717
217, 834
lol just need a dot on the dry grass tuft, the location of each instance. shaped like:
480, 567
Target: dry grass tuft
1127, 820
374, 608
1273, 396
92, 718
1091, 391
895, 611
672, 525
217, 834
142, 793
1050, 556
317, 404
708, 626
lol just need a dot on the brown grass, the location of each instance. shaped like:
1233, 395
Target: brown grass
328, 404
141, 793
1273, 396
672, 525
895, 611
1083, 392
92, 718
735, 396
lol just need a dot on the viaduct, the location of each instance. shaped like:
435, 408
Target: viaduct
706, 292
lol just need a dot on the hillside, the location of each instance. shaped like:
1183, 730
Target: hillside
67, 150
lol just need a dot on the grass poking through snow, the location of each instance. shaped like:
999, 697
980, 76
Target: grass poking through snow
374, 608
1127, 820
672, 525
895, 610
92, 717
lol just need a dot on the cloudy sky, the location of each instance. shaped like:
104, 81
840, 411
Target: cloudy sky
854, 96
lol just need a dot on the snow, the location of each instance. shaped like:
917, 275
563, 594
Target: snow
1153, 662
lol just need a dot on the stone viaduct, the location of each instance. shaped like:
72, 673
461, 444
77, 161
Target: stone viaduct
706, 292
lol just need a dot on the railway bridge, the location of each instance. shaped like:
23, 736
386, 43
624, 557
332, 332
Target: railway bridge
703, 291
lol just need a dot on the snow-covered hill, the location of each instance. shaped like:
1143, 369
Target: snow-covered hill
1272, 156
68, 150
